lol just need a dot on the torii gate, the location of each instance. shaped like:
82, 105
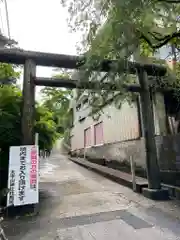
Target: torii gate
32, 59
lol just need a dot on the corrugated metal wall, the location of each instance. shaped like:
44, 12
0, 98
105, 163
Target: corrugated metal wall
118, 125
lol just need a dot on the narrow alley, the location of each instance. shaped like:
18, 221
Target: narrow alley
78, 204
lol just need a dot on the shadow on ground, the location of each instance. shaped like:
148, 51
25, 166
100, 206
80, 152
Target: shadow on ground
46, 215
21, 221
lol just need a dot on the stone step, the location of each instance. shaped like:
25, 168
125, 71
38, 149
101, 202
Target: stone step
115, 175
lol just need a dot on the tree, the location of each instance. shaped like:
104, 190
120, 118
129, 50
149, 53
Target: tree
128, 21
9, 71
10, 127
10, 105
45, 125
57, 102
10, 123
10, 119
10, 102
118, 29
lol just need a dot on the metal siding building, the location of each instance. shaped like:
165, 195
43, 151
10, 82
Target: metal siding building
114, 125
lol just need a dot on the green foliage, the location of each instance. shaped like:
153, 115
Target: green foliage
57, 101
46, 121
118, 29
10, 118
124, 21
10, 104
10, 123
8, 71
46, 127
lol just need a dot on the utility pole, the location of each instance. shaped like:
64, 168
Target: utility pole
7, 18
4, 41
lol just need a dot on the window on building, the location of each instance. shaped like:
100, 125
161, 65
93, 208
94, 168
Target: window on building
87, 137
98, 134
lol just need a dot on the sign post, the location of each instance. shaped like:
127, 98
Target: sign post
23, 176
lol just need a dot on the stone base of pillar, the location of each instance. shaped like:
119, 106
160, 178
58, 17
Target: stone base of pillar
156, 194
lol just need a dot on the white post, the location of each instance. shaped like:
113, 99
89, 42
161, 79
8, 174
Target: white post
133, 173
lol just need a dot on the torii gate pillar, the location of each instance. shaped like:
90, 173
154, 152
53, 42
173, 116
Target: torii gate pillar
28, 108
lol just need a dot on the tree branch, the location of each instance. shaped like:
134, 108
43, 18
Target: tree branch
163, 41
154, 35
170, 1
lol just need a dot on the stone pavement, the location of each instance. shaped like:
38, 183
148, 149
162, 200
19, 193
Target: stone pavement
78, 204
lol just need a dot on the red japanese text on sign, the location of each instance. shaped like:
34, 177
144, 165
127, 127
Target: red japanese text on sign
33, 171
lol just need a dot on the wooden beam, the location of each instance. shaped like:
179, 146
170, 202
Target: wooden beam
17, 56
71, 84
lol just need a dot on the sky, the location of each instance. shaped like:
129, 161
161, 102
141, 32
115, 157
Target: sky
40, 25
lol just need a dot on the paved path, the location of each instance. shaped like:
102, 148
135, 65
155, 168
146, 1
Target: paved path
77, 204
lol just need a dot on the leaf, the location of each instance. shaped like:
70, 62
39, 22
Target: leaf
118, 29
56, 101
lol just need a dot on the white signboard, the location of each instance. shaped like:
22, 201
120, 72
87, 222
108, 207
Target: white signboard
23, 176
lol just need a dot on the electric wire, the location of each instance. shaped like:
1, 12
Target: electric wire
7, 18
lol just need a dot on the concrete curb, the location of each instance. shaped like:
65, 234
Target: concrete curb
122, 178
